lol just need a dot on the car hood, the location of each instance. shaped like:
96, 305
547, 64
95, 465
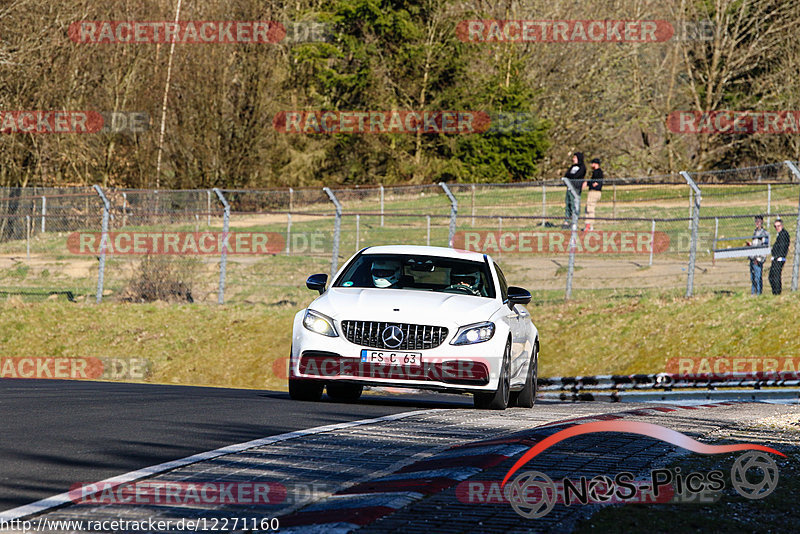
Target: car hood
417, 307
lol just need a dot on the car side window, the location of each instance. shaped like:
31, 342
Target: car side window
503, 284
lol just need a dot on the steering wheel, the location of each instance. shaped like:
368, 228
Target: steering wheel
462, 288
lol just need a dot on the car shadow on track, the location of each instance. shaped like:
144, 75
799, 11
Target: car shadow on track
409, 400
404, 400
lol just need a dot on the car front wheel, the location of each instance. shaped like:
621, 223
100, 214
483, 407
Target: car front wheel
527, 396
499, 399
305, 390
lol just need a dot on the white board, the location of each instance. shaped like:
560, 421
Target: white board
740, 252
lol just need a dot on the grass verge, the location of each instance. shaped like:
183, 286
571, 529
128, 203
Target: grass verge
245, 345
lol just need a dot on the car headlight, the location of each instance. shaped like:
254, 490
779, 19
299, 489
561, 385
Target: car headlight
321, 324
474, 333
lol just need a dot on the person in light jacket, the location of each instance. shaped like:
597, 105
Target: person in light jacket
760, 239
593, 197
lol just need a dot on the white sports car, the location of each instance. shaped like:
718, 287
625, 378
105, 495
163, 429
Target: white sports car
417, 317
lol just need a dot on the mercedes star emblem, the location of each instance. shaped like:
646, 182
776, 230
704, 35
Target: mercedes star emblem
392, 336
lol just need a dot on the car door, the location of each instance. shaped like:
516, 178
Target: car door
513, 316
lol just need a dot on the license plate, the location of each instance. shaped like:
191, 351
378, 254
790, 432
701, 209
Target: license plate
411, 359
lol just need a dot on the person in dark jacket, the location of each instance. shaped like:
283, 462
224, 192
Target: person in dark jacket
779, 251
575, 174
595, 188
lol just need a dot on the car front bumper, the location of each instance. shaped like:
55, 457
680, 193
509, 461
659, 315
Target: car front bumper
464, 368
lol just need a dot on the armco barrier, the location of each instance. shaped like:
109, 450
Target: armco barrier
668, 381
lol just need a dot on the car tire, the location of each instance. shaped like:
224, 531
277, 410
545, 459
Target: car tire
305, 390
344, 392
500, 398
526, 397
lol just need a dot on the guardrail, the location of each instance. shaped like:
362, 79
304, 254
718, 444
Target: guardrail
669, 381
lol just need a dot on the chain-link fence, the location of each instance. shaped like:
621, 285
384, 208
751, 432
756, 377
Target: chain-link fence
670, 234
34, 225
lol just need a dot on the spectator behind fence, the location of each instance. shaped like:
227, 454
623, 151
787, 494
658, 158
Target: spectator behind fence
575, 174
779, 251
593, 197
760, 239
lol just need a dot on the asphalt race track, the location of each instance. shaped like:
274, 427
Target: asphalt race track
58, 433
389, 463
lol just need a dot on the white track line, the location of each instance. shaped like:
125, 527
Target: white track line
64, 498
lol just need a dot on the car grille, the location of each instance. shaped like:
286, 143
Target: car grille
415, 336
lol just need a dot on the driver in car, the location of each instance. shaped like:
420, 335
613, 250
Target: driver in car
466, 280
386, 273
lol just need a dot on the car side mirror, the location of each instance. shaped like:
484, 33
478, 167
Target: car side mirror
518, 295
317, 282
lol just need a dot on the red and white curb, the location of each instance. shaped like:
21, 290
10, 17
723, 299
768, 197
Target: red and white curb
366, 502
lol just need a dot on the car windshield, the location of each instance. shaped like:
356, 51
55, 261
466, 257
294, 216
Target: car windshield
423, 273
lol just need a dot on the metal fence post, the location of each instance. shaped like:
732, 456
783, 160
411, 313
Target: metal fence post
223, 260
102, 270
208, 208
428, 238
544, 203
714, 245
44, 210
381, 208
796, 262
499, 235
124, 209
614, 205
28, 236
769, 202
358, 232
291, 199
453, 213
698, 198
473, 205
288, 233
652, 240
573, 239
337, 230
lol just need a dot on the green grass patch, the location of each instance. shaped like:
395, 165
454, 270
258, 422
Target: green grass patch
244, 345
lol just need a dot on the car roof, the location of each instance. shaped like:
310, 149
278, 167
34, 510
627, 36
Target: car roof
425, 251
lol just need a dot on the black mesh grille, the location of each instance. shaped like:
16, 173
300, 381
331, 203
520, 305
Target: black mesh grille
415, 336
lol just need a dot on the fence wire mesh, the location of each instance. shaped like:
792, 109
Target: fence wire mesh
731, 200
634, 235
35, 223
